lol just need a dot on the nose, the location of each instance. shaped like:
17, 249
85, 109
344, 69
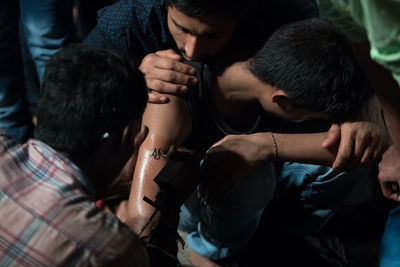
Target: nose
192, 47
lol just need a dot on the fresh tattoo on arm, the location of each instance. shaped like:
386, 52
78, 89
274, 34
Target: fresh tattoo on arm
157, 154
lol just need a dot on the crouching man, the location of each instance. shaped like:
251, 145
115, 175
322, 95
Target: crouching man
85, 147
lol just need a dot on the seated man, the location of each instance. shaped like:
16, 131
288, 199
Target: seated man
305, 69
88, 116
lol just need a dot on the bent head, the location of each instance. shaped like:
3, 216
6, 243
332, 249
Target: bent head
90, 96
201, 28
314, 72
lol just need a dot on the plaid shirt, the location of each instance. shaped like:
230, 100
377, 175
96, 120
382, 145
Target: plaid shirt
48, 215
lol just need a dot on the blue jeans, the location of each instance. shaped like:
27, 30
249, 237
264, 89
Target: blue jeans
47, 25
390, 243
226, 227
306, 196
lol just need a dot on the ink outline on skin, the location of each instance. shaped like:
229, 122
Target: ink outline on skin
156, 154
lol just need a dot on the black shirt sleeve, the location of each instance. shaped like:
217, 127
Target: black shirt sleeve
136, 27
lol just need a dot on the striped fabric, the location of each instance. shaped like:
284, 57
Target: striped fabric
48, 216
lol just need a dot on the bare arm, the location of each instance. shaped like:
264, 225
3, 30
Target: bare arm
259, 147
235, 156
168, 125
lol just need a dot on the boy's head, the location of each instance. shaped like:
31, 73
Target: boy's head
201, 28
312, 66
88, 95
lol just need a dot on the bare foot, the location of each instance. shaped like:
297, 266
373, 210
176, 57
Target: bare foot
200, 261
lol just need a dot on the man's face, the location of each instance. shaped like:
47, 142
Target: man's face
199, 39
120, 170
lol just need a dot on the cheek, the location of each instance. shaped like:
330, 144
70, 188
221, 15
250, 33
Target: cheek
177, 35
178, 38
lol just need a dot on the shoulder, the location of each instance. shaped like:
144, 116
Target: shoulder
128, 23
125, 12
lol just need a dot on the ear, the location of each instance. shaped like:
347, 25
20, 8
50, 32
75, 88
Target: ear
282, 100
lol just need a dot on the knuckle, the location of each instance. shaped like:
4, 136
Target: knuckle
158, 86
172, 77
175, 66
148, 60
381, 177
189, 79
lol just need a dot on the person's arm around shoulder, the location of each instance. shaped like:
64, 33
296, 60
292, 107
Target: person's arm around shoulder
235, 156
362, 139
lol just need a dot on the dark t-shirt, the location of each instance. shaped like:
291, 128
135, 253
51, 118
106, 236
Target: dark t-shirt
139, 27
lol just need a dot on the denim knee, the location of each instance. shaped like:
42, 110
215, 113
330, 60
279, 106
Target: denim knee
390, 244
313, 193
225, 227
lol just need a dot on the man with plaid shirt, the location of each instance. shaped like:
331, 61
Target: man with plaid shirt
84, 149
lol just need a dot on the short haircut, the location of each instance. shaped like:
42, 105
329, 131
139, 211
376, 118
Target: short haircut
313, 62
232, 9
86, 93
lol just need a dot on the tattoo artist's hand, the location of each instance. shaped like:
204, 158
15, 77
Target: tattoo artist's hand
165, 74
360, 144
389, 173
230, 160
122, 183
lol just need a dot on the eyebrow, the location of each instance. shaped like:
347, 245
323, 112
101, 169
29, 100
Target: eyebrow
188, 31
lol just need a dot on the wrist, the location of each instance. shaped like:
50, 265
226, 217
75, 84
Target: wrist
275, 156
266, 147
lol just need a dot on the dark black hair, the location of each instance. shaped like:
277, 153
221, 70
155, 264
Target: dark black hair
232, 9
313, 62
87, 92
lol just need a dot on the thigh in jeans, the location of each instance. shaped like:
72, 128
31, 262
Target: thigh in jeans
48, 26
312, 193
232, 221
390, 243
